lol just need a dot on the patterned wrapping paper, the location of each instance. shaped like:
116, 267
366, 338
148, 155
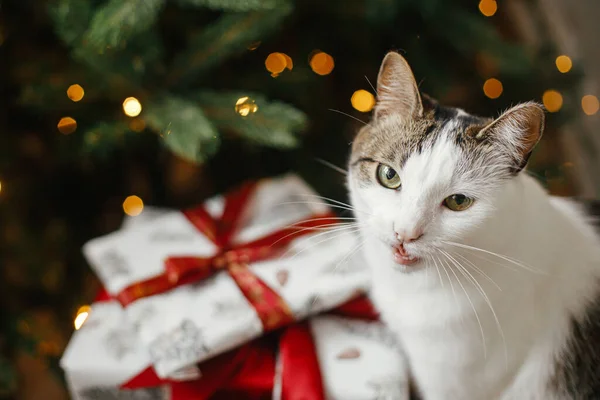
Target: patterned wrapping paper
196, 321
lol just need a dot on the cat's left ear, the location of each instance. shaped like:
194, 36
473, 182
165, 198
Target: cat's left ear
397, 91
518, 131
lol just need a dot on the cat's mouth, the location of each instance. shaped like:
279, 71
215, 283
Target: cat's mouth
403, 257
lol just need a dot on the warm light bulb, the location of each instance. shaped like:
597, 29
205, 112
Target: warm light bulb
362, 100
564, 64
75, 92
0, 187
492, 88
133, 206
322, 63
82, 315
67, 125
590, 104
552, 100
132, 107
488, 7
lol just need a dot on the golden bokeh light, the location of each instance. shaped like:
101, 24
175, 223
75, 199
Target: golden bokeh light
82, 315
133, 206
75, 92
0, 187
552, 100
564, 64
488, 7
245, 105
67, 125
289, 64
362, 100
254, 45
492, 88
275, 63
137, 125
322, 63
590, 104
132, 107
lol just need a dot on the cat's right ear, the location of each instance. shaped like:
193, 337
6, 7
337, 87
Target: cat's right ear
397, 91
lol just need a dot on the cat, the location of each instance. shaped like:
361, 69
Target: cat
491, 285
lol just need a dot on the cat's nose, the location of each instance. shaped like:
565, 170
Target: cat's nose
409, 236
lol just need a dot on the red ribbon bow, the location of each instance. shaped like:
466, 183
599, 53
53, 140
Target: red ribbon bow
270, 307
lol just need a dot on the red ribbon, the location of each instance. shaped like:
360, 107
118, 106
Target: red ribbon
270, 307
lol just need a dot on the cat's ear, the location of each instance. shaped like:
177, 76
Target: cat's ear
518, 130
397, 91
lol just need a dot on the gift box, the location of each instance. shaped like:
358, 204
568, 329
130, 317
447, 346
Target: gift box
197, 283
344, 354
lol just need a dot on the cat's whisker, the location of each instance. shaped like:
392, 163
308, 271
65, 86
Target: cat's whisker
478, 286
451, 285
475, 268
506, 258
316, 202
438, 271
322, 219
326, 227
332, 166
340, 232
350, 254
329, 199
472, 306
348, 115
370, 84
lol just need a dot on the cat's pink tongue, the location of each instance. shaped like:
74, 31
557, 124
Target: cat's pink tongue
401, 256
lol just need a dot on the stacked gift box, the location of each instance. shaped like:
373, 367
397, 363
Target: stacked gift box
253, 295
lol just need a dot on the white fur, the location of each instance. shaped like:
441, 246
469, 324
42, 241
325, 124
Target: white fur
432, 309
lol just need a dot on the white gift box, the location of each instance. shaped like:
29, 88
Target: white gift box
194, 322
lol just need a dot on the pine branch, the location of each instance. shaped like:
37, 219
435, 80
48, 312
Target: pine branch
184, 127
380, 12
236, 5
105, 137
273, 124
119, 20
468, 33
230, 35
71, 18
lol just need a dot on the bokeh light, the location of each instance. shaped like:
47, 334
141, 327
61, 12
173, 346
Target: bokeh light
564, 64
132, 107
137, 124
552, 100
82, 315
492, 88
133, 206
245, 105
75, 92
275, 63
322, 63
488, 7
362, 100
67, 125
590, 104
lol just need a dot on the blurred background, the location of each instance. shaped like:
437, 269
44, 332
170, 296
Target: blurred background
110, 105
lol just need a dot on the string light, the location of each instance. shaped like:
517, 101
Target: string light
564, 64
245, 105
75, 92
590, 104
321, 63
492, 88
488, 7
0, 186
362, 100
276, 63
132, 107
254, 45
67, 125
133, 206
82, 315
552, 100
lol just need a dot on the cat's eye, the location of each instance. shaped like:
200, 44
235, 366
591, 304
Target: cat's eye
388, 177
458, 202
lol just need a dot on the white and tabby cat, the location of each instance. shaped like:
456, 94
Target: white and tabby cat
491, 285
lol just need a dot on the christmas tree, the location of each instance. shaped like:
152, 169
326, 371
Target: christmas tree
117, 103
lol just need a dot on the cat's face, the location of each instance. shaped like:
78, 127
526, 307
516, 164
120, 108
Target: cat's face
421, 174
